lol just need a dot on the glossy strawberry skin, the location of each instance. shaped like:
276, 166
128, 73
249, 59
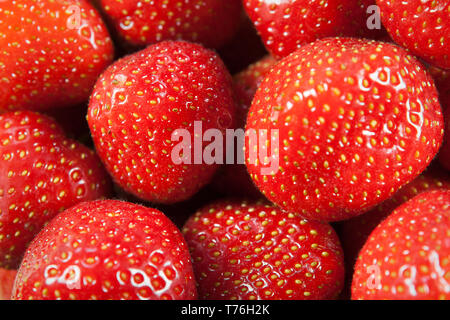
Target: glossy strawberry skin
41, 173
444, 153
142, 99
411, 251
107, 250
350, 132
47, 61
251, 251
6, 283
421, 26
286, 25
355, 232
209, 22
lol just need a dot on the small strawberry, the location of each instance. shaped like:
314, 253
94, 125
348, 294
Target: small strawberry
6, 283
41, 173
354, 232
421, 26
407, 255
107, 250
255, 251
287, 25
142, 101
233, 179
348, 121
52, 53
209, 22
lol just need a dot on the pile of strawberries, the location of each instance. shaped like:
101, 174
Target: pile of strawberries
345, 195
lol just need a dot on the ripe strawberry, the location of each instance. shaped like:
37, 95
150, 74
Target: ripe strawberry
287, 25
421, 26
255, 251
351, 122
41, 174
107, 250
444, 154
140, 102
6, 283
407, 255
52, 53
354, 232
233, 179
209, 22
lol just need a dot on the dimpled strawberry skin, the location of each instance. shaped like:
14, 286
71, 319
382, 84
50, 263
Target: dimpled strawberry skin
421, 26
142, 99
251, 251
356, 120
411, 250
46, 61
286, 25
107, 250
209, 22
41, 174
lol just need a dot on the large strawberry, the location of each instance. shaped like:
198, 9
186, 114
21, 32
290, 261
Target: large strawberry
209, 22
407, 255
6, 283
253, 251
52, 53
286, 25
107, 250
421, 26
354, 232
41, 173
141, 104
346, 123
233, 179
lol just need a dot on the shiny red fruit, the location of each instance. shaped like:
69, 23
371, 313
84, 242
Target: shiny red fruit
444, 153
52, 53
6, 283
250, 251
141, 104
287, 25
347, 122
407, 255
41, 173
421, 26
209, 22
107, 250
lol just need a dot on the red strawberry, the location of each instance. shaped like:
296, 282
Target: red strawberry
407, 255
349, 121
354, 232
286, 25
210, 22
52, 53
233, 179
444, 154
421, 26
140, 102
41, 173
107, 250
6, 283
255, 251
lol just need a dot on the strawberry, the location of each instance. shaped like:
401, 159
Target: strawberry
444, 154
6, 283
286, 25
354, 232
421, 26
52, 53
245, 83
41, 173
141, 101
253, 251
348, 121
209, 22
407, 255
107, 250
